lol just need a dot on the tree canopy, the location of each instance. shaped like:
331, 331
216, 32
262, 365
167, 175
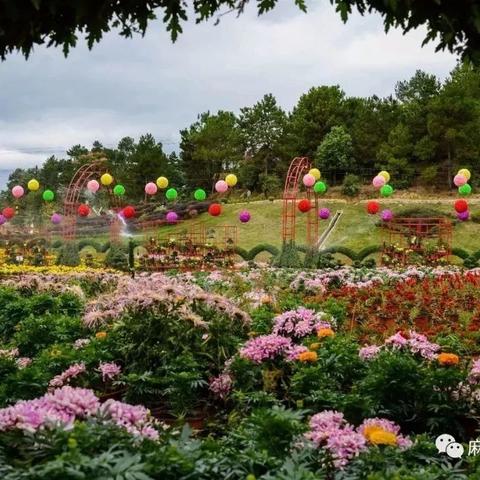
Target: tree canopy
453, 25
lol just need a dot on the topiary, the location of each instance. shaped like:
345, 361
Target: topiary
117, 257
69, 255
288, 256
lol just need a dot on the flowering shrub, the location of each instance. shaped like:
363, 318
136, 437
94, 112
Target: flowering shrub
299, 323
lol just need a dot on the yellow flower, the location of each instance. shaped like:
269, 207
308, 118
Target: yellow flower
325, 332
314, 346
382, 437
448, 359
101, 335
308, 356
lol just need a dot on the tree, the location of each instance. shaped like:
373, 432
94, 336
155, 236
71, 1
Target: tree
312, 118
25, 23
335, 153
209, 147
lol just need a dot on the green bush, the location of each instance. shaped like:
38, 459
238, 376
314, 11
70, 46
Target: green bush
288, 256
69, 255
117, 258
351, 185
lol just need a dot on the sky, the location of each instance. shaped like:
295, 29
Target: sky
130, 87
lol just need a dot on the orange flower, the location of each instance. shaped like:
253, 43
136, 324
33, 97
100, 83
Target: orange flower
382, 437
325, 332
448, 359
101, 335
308, 356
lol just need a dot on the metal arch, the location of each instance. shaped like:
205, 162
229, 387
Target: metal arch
77, 185
298, 167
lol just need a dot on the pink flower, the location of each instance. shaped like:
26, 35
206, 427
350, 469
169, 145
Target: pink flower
71, 372
23, 362
266, 347
299, 323
109, 370
388, 426
369, 352
80, 343
474, 375
221, 385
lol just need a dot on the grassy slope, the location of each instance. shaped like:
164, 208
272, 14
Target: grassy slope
356, 228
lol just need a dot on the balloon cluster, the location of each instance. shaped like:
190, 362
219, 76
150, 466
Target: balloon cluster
464, 189
380, 182
215, 209
312, 180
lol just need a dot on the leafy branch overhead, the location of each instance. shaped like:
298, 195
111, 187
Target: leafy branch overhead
453, 25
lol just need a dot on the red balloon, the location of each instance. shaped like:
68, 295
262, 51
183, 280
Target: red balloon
8, 212
304, 205
84, 210
129, 212
373, 207
215, 209
461, 206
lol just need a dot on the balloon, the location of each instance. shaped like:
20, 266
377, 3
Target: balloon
465, 172
461, 206
129, 212
309, 180
385, 175
319, 187
315, 172
106, 179
171, 194
215, 209
199, 194
162, 182
379, 181
244, 216
386, 215
18, 191
56, 218
463, 216
93, 186
465, 190
3, 219
324, 213
373, 207
119, 190
8, 212
171, 217
84, 210
459, 180
221, 186
386, 191
151, 188
48, 196
33, 185
304, 205
231, 180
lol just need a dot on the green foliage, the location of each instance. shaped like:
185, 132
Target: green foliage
269, 184
117, 257
336, 149
288, 256
69, 255
351, 185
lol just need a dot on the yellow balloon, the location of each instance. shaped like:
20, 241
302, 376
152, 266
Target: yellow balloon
162, 182
231, 180
465, 172
385, 175
33, 185
106, 179
315, 172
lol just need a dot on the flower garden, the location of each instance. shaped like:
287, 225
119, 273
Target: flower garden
255, 373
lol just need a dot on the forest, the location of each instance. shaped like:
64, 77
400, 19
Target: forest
420, 134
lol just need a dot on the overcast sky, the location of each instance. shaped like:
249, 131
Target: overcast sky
129, 87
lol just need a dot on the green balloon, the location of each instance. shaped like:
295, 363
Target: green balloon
119, 190
386, 191
465, 190
319, 187
200, 194
171, 194
48, 195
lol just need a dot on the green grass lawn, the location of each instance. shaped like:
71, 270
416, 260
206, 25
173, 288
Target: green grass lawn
356, 229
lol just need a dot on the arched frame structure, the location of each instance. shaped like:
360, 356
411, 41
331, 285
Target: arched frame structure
298, 168
78, 184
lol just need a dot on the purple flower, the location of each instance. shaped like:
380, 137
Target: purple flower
266, 347
474, 375
221, 385
109, 370
299, 323
71, 372
369, 352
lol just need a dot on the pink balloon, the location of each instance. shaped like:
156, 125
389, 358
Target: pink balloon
309, 180
171, 217
460, 180
151, 188
221, 186
18, 191
378, 181
93, 186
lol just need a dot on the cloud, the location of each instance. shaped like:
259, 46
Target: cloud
129, 87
